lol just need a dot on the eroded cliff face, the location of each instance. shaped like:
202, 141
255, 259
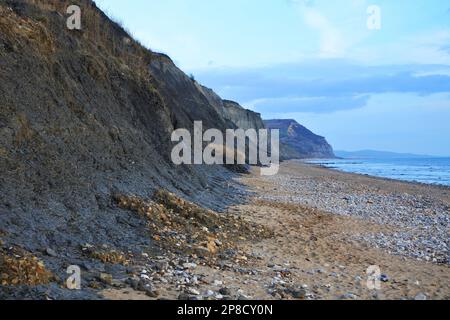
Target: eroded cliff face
243, 118
86, 114
187, 100
234, 114
297, 142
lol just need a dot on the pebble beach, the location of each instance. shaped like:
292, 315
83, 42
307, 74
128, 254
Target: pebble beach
328, 228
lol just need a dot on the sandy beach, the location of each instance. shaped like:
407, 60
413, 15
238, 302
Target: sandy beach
329, 227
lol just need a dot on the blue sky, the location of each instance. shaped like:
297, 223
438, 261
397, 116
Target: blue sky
315, 61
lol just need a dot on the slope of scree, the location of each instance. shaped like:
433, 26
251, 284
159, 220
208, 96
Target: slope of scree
84, 115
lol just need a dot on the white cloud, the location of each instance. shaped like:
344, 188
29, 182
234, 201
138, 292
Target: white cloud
421, 49
331, 41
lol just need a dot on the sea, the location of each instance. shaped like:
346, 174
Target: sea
424, 170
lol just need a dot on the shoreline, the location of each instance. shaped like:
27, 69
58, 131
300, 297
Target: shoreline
402, 204
444, 186
316, 253
419, 184
402, 226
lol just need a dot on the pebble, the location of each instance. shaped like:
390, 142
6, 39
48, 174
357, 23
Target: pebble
349, 296
334, 274
134, 283
151, 292
225, 291
50, 252
209, 293
145, 277
420, 296
217, 283
202, 251
193, 291
298, 293
189, 265
384, 278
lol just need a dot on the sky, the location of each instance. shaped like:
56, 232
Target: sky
364, 74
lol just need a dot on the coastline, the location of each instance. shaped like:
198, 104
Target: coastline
373, 177
402, 227
318, 165
328, 228
387, 201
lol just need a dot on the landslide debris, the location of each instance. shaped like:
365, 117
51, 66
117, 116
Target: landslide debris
181, 225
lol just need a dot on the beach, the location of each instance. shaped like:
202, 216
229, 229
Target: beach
328, 228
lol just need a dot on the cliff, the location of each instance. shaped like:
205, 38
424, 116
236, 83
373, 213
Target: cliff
243, 118
297, 142
232, 112
87, 114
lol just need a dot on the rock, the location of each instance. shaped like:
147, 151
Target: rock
349, 296
219, 296
106, 278
194, 280
334, 274
209, 293
118, 284
50, 252
298, 293
217, 283
321, 271
161, 265
225, 291
202, 251
134, 283
189, 265
277, 268
384, 278
420, 296
145, 277
151, 292
192, 291
87, 246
